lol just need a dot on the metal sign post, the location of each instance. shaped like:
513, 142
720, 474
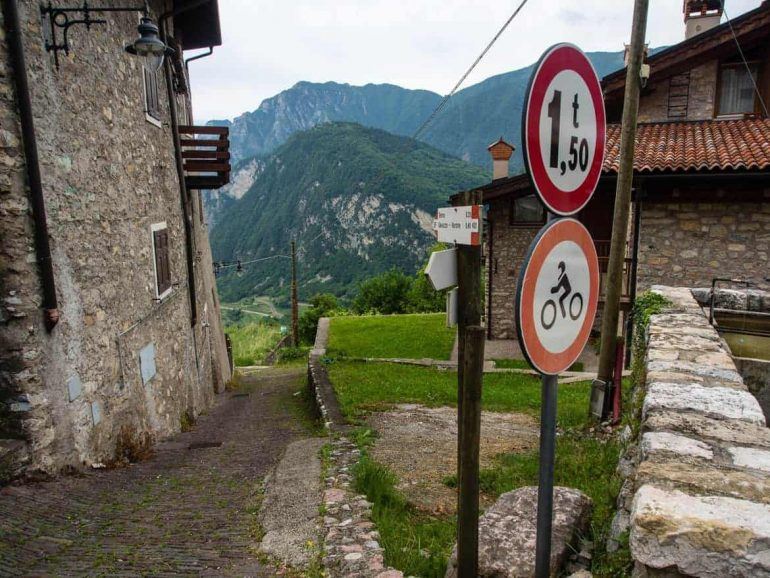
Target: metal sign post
564, 134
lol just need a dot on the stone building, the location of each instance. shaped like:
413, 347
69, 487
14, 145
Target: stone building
110, 333
701, 203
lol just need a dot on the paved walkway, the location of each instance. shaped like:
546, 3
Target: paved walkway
185, 512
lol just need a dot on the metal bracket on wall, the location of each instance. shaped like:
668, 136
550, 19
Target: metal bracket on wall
55, 17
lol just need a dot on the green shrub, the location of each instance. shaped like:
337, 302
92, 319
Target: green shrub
321, 305
386, 293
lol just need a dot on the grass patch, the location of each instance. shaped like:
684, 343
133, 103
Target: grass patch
522, 364
363, 387
253, 341
414, 336
414, 542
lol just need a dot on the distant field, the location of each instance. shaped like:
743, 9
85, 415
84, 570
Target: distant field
414, 336
252, 342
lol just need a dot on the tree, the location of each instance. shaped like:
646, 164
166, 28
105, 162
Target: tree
321, 305
423, 298
386, 293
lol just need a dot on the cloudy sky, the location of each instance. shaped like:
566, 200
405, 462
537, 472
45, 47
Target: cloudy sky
269, 45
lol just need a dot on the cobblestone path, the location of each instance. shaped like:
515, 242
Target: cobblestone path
184, 512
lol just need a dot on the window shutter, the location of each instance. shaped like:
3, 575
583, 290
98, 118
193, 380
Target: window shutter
162, 265
151, 99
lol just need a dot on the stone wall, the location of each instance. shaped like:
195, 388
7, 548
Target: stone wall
108, 175
702, 84
509, 248
688, 244
696, 495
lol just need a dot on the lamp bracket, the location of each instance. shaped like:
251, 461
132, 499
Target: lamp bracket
57, 17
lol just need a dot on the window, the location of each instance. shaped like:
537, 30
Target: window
527, 212
162, 264
736, 88
151, 98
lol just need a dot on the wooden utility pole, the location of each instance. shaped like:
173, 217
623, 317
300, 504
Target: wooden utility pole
294, 301
469, 380
622, 193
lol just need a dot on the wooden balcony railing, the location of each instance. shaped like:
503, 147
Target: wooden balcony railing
205, 155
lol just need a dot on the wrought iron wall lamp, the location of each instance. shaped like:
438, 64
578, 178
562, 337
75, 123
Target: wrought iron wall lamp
148, 45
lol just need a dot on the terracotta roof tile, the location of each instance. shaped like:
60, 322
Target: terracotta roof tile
692, 146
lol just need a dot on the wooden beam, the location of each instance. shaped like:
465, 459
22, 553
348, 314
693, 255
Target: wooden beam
205, 154
189, 129
207, 167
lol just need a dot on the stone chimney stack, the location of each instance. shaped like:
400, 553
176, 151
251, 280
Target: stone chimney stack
501, 153
701, 15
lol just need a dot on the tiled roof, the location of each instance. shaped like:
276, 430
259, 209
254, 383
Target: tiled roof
716, 145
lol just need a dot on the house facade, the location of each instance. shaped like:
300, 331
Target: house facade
110, 333
701, 198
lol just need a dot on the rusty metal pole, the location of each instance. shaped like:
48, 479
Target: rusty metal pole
294, 298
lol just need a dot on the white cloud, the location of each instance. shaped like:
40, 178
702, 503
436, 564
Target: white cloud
269, 45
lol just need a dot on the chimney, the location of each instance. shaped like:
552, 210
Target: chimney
501, 153
701, 15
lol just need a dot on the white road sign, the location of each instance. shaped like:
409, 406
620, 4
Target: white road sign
557, 295
442, 269
459, 225
564, 129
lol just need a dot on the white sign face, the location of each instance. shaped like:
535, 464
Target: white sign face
459, 225
561, 290
442, 269
451, 307
557, 296
567, 130
564, 129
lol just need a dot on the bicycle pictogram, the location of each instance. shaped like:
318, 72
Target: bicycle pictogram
575, 302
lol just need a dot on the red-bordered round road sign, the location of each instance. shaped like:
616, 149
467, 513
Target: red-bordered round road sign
564, 129
557, 295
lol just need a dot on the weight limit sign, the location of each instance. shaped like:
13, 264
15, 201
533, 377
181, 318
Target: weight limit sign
564, 129
557, 295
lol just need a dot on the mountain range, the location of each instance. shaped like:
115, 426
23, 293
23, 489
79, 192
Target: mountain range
473, 118
357, 200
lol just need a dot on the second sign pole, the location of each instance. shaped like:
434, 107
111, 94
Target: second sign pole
545, 484
469, 379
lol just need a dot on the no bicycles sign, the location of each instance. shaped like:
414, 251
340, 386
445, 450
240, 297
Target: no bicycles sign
557, 295
564, 129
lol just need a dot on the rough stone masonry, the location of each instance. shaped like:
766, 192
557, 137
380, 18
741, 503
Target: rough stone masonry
696, 497
121, 364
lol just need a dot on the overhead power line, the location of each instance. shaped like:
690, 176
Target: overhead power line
446, 99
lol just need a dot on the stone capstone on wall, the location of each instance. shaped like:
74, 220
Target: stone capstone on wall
696, 495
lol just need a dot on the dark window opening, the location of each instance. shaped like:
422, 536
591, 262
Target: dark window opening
527, 212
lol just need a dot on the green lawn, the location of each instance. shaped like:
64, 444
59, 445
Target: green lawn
371, 386
414, 336
252, 342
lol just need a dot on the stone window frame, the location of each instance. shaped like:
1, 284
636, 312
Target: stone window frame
155, 227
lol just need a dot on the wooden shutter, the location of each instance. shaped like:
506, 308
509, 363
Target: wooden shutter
162, 265
151, 99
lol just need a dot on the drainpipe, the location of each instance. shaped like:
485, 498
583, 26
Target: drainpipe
42, 246
198, 57
185, 198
